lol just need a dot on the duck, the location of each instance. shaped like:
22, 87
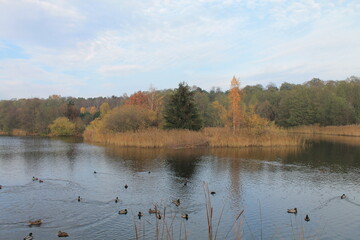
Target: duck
307, 218
36, 222
41, 181
29, 237
95, 172
140, 214
126, 186
292, 210
34, 178
186, 216
153, 211
124, 211
176, 202
342, 196
116, 199
79, 198
158, 215
62, 234
212, 193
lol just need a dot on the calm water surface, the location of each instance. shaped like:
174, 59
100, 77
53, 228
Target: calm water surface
262, 182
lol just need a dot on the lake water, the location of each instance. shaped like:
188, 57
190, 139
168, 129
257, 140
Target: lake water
263, 182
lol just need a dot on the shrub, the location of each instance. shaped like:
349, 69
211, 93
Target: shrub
62, 127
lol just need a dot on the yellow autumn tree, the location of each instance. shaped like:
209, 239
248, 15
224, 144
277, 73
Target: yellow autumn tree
254, 123
62, 127
234, 106
104, 109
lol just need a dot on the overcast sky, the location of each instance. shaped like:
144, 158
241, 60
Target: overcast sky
90, 48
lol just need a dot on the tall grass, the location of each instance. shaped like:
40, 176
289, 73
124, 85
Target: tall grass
348, 130
19, 132
213, 137
149, 138
272, 137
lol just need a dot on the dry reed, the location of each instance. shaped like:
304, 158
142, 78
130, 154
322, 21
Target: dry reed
19, 132
272, 137
348, 130
212, 137
149, 138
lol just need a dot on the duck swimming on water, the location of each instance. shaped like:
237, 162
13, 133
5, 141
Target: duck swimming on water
186, 216
78, 198
36, 222
124, 211
62, 234
292, 210
29, 237
342, 196
176, 202
307, 218
153, 210
116, 199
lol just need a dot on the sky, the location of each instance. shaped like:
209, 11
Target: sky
91, 48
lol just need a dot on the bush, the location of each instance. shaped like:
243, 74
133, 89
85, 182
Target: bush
128, 118
62, 127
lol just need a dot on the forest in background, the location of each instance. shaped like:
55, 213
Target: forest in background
314, 102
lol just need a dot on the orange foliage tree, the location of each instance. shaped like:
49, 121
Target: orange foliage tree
82, 110
93, 110
139, 98
234, 107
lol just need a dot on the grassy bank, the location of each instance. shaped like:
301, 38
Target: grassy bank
348, 130
212, 137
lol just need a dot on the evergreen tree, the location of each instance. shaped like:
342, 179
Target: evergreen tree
181, 111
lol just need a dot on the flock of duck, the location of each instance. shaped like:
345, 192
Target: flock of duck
294, 210
155, 211
38, 222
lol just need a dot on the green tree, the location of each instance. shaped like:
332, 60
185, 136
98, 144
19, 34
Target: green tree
181, 111
62, 127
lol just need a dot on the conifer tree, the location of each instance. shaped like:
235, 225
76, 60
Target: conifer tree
181, 111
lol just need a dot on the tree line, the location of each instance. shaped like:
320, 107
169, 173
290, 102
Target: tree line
313, 102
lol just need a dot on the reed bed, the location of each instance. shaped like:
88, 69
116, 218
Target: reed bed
149, 138
348, 130
19, 132
271, 137
212, 137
